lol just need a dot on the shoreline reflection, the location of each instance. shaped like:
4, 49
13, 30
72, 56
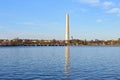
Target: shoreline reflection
67, 61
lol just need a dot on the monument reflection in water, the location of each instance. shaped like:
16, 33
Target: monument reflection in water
67, 61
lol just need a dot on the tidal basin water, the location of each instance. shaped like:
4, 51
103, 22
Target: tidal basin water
60, 63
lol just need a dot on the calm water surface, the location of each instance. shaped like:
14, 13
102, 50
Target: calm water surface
60, 63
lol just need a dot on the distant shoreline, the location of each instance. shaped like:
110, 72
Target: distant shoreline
72, 42
65, 46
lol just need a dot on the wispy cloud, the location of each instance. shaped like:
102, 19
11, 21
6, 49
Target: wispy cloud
5, 14
99, 20
2, 27
114, 10
32, 23
83, 10
111, 7
26, 23
92, 2
107, 4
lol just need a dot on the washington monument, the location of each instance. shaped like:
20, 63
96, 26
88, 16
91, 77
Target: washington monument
67, 33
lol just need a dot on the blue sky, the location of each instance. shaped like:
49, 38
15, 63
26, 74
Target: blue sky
45, 19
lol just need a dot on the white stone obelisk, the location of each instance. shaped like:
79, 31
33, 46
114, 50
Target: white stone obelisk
67, 29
